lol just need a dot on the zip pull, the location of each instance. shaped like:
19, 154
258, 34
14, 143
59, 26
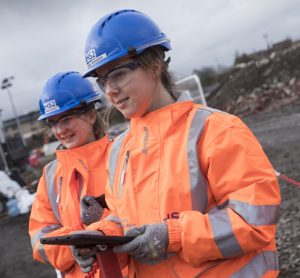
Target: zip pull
59, 189
122, 179
124, 168
80, 185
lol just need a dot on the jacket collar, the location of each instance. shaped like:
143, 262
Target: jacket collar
85, 157
161, 121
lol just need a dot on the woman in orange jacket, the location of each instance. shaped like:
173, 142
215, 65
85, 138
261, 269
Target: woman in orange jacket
67, 106
191, 184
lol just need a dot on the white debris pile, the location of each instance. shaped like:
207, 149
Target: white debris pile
12, 190
261, 85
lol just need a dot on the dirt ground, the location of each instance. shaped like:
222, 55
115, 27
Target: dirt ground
279, 133
16, 257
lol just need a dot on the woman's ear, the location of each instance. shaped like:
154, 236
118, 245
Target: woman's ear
157, 68
92, 117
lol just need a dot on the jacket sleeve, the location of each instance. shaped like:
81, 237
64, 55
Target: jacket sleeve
43, 223
246, 197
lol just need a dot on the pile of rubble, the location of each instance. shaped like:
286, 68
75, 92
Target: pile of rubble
266, 98
262, 85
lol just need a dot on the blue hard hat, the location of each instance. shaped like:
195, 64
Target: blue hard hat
65, 91
120, 34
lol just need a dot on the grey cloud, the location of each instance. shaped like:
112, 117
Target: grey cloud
40, 38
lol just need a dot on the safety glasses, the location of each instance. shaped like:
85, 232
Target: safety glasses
66, 120
117, 77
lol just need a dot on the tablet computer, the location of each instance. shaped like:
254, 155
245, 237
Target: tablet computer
86, 240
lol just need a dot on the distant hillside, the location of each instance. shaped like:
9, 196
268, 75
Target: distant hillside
264, 83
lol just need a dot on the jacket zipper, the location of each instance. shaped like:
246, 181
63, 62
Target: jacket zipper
59, 189
122, 178
80, 185
78, 178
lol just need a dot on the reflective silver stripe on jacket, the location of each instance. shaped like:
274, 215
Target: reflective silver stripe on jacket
50, 184
198, 183
42, 253
252, 214
219, 218
220, 222
259, 265
223, 235
41, 233
54, 197
113, 157
255, 214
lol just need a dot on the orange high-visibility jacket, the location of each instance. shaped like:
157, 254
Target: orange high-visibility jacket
205, 174
56, 209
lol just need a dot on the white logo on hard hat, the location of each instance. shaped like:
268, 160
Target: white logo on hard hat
50, 106
91, 57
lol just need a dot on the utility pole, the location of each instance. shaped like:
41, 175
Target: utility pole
6, 84
265, 35
2, 141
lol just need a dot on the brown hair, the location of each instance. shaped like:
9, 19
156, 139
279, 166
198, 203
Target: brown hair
99, 126
112, 116
156, 53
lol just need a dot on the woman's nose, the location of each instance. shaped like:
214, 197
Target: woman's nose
110, 90
59, 128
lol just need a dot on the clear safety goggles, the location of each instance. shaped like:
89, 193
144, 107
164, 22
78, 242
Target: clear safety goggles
65, 120
117, 77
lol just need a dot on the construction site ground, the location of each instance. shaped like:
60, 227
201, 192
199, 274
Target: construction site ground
279, 133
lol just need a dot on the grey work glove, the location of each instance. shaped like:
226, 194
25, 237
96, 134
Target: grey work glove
150, 243
90, 210
85, 256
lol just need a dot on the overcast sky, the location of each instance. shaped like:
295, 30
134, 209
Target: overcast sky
42, 37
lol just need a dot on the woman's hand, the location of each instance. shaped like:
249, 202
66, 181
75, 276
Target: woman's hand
90, 210
85, 256
150, 243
